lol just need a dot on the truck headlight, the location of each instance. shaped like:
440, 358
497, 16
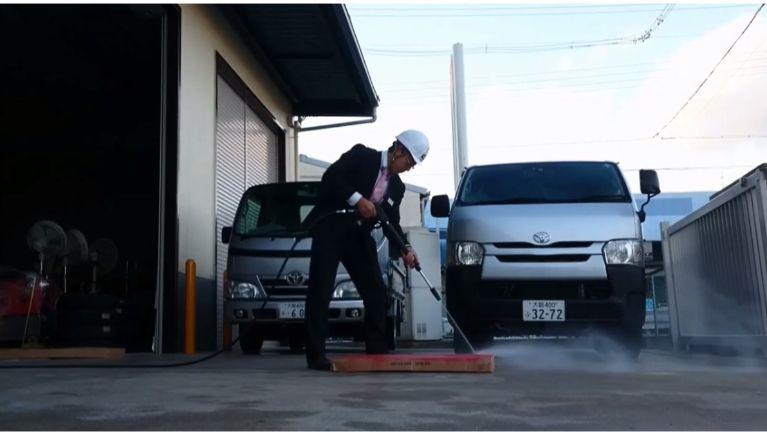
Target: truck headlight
246, 290
628, 251
468, 254
346, 290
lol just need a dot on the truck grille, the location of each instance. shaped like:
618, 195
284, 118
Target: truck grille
282, 289
563, 258
596, 289
523, 245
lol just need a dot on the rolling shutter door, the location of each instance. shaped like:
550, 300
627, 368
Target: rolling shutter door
246, 154
261, 144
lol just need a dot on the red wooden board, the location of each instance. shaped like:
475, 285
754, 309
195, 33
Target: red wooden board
414, 363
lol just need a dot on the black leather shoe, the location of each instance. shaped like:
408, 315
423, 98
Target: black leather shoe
319, 363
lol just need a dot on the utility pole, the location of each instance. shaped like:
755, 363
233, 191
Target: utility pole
458, 110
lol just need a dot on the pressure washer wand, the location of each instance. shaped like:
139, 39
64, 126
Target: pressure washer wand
383, 218
394, 237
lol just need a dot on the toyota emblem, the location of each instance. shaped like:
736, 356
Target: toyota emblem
295, 278
542, 237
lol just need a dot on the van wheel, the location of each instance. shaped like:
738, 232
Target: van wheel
631, 342
251, 339
296, 343
623, 341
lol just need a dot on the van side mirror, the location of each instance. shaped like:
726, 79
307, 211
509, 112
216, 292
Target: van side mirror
440, 206
648, 182
226, 234
650, 186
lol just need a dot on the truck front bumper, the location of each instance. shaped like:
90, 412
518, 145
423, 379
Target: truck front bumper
618, 300
244, 311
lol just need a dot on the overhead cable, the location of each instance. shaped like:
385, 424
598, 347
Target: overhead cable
620, 140
553, 46
722, 137
710, 73
463, 14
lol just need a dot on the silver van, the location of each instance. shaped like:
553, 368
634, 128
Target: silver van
268, 271
546, 248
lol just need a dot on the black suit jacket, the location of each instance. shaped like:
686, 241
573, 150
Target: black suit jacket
355, 171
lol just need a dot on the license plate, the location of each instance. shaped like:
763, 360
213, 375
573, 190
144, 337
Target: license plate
543, 311
292, 310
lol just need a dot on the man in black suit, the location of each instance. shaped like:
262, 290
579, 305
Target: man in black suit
361, 178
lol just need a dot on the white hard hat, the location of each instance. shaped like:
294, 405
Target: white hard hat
415, 142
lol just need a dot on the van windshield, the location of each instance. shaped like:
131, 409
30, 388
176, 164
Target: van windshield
275, 210
543, 183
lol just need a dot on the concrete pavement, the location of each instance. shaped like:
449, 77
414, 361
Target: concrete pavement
536, 386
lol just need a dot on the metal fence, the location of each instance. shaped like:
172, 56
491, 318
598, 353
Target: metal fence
716, 269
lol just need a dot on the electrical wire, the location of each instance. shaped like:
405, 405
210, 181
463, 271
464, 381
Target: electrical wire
355, 8
428, 14
726, 82
544, 72
723, 137
710, 73
693, 168
443, 92
622, 140
525, 74
487, 49
517, 82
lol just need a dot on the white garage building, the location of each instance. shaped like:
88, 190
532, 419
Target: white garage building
145, 123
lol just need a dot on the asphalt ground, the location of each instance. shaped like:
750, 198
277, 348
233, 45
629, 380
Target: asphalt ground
537, 385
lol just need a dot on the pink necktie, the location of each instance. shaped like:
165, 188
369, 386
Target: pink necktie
380, 188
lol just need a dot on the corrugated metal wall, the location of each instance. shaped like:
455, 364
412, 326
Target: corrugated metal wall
716, 268
246, 154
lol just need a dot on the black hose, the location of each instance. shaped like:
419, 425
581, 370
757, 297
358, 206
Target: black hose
199, 360
382, 218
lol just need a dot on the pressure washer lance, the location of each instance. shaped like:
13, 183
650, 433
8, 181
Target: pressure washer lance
394, 237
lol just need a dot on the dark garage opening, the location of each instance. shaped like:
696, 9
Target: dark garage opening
81, 108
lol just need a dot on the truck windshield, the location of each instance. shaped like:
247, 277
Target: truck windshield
543, 183
275, 210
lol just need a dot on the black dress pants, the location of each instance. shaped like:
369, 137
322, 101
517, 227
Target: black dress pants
343, 241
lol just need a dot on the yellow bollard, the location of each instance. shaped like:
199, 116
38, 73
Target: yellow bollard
190, 311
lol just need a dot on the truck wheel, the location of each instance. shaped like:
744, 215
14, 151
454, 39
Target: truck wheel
251, 340
296, 343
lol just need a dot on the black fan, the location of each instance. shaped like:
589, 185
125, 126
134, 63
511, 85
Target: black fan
103, 258
48, 239
75, 253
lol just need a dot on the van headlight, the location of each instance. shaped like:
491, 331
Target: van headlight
346, 290
628, 251
246, 290
468, 254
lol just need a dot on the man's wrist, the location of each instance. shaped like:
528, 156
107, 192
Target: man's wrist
354, 199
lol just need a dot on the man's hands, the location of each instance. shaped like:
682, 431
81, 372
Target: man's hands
366, 209
410, 258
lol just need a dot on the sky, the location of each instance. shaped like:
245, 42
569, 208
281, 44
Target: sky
568, 82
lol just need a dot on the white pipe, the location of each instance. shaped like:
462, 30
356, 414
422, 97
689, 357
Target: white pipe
340, 124
458, 106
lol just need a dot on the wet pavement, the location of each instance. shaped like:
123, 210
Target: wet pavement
536, 385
